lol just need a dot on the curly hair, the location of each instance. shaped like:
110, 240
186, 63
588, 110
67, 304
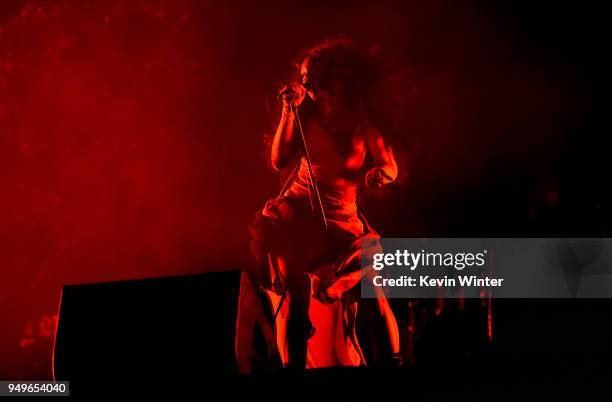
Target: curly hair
339, 64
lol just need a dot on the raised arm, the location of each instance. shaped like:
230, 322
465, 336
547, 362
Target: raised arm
285, 143
384, 170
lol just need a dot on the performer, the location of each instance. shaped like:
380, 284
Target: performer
310, 243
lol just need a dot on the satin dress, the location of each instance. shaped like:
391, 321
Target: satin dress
290, 227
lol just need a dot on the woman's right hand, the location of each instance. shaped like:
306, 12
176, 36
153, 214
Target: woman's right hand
293, 93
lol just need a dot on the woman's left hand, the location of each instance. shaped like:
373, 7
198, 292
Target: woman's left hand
376, 178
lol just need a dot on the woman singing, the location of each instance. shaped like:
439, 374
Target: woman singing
310, 244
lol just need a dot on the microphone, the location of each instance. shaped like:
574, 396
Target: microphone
289, 88
283, 92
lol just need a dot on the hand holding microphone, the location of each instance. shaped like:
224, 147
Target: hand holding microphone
292, 94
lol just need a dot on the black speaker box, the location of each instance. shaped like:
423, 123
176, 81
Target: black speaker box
148, 330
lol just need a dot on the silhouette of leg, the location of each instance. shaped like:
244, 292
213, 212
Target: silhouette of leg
298, 324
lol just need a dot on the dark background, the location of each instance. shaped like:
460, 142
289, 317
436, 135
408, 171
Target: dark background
131, 133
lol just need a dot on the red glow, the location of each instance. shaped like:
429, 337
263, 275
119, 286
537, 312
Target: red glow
131, 134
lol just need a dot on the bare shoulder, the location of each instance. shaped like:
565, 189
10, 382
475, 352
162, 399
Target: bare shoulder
374, 136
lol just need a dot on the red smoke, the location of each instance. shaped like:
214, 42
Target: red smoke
113, 162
